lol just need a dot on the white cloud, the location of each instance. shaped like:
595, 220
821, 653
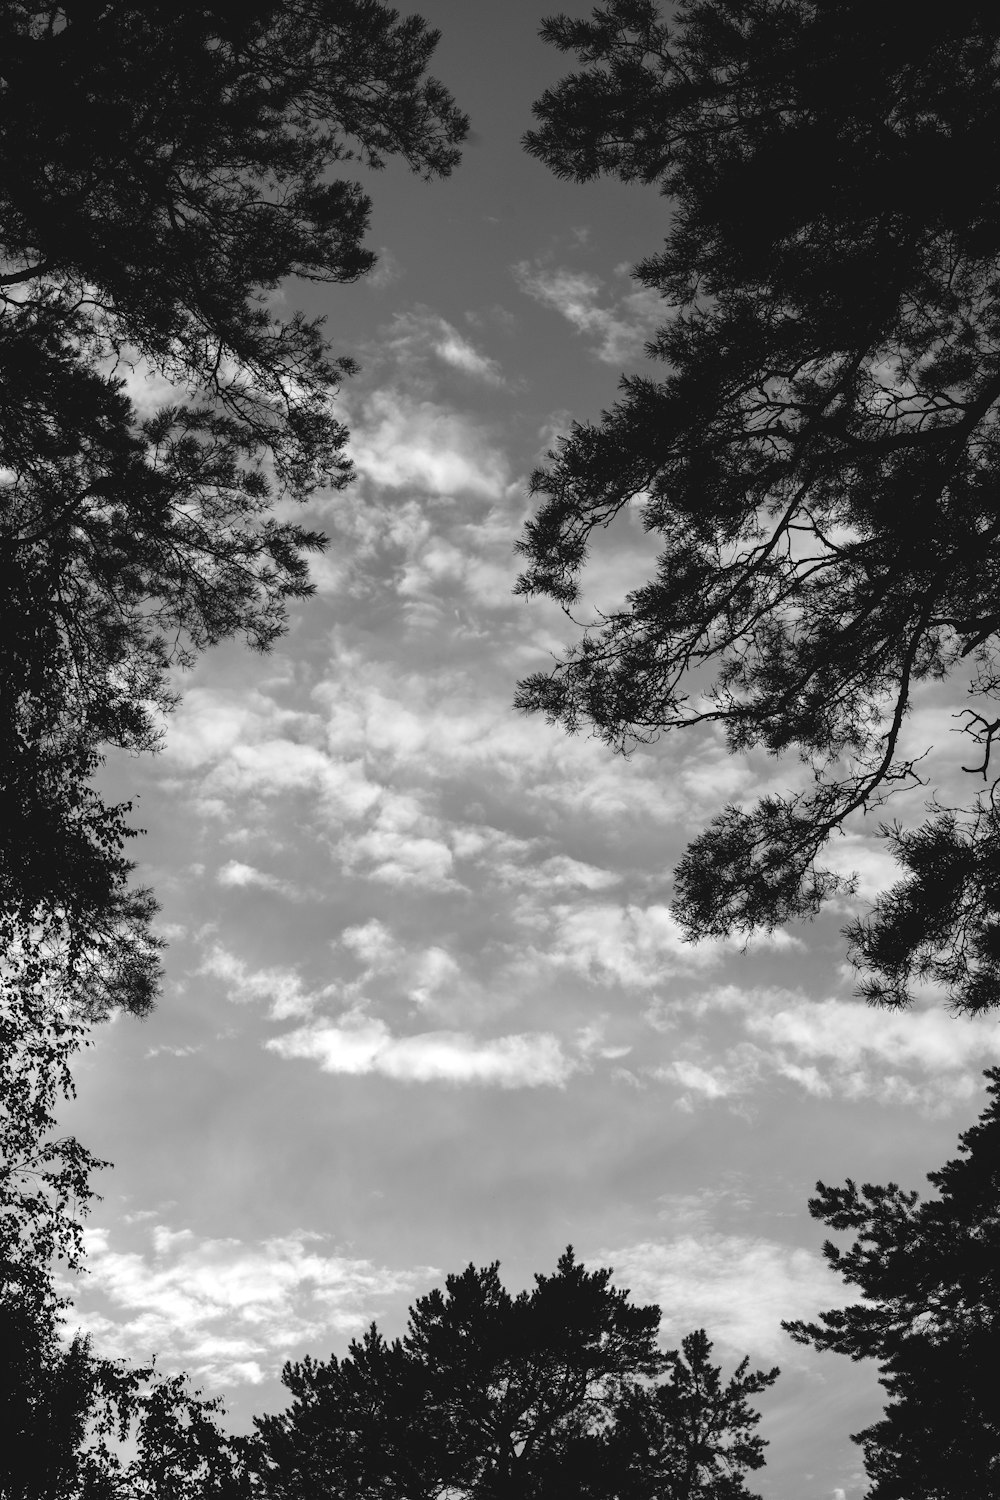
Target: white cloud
282, 989
210, 723
456, 351
620, 330
227, 1310
431, 972
558, 873
239, 876
848, 1048
415, 337
737, 1287
866, 858
373, 944
629, 945
402, 846
443, 723
829, 1048
400, 442
360, 1044
387, 270
246, 745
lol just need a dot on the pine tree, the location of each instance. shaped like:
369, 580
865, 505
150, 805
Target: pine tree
166, 169
819, 453
931, 1317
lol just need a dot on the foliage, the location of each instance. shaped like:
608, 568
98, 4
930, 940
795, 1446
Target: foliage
819, 455
68, 916
941, 923
931, 1317
561, 1389
66, 1412
79, 1427
45, 1179
166, 168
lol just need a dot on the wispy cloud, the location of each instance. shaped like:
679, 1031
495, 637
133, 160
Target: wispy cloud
633, 946
420, 335
387, 271
400, 441
239, 876
282, 989
619, 327
737, 1287
362, 1044
227, 1310
828, 1048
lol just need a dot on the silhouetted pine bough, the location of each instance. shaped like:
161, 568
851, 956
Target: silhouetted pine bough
165, 167
820, 453
931, 1317
558, 1391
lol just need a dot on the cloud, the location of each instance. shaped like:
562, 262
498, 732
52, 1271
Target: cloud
737, 1287
629, 945
360, 1044
373, 944
402, 846
845, 1047
431, 972
227, 1310
558, 873
243, 743
239, 876
414, 338
386, 271
399, 441
620, 330
283, 989
828, 1048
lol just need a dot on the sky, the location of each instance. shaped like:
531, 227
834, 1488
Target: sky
425, 1002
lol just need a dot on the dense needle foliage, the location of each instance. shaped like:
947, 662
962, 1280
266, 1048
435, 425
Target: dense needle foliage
560, 1390
819, 454
931, 1317
166, 167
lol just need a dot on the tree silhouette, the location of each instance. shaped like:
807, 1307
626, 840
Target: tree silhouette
492, 1397
166, 168
931, 1317
819, 456
65, 1411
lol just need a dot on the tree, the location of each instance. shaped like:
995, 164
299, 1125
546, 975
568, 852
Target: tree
65, 1411
931, 1317
684, 1436
560, 1390
165, 169
80, 1427
820, 454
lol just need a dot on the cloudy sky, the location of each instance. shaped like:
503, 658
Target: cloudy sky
425, 1000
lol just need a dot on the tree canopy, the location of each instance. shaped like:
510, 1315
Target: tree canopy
165, 169
931, 1317
819, 456
558, 1390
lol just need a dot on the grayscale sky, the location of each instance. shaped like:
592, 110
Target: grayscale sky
426, 1004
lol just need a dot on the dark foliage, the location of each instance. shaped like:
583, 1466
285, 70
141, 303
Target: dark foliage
931, 1317
560, 1390
820, 453
65, 1412
78, 1427
165, 168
